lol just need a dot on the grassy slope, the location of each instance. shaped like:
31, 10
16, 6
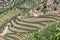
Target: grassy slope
9, 15
46, 34
43, 33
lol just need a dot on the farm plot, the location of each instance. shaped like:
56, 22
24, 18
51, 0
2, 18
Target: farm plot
20, 28
23, 26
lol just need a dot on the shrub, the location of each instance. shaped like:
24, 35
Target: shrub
47, 34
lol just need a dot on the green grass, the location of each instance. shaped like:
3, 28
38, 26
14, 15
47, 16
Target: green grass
46, 34
27, 9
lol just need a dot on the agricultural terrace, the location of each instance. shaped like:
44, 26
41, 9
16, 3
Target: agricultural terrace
23, 18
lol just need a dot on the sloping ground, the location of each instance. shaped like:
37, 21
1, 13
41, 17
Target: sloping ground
47, 34
6, 13
10, 14
20, 28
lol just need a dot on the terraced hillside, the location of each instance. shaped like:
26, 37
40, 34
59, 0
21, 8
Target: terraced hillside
19, 7
27, 22
19, 29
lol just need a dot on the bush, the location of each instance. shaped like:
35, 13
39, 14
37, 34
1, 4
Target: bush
47, 34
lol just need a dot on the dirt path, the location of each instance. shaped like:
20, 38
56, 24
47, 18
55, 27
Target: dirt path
4, 31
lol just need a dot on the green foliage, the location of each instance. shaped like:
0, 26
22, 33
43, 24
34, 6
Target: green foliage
50, 33
58, 34
46, 34
43, 10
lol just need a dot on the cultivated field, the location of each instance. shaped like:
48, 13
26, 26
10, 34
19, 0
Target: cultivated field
20, 23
